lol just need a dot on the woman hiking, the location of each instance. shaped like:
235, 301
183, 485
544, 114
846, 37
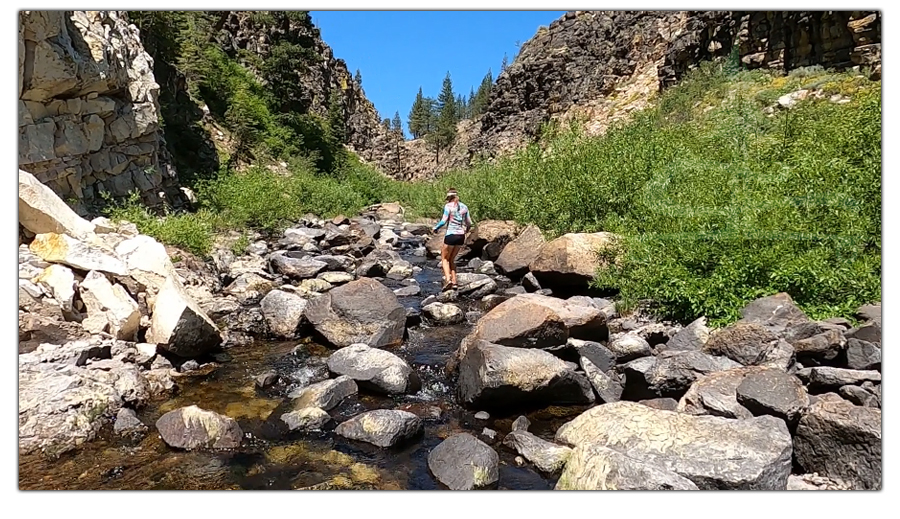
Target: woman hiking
458, 221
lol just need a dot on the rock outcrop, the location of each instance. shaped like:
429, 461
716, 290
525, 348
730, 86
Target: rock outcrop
88, 109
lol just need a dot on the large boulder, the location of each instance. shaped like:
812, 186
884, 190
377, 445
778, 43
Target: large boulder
463, 462
325, 395
375, 370
495, 376
283, 312
382, 427
595, 467
442, 313
147, 261
692, 337
109, 308
776, 312
41, 211
57, 281
192, 428
608, 389
838, 439
571, 260
743, 342
62, 248
306, 419
520, 253
745, 392
179, 325
361, 311
294, 268
712, 452
489, 237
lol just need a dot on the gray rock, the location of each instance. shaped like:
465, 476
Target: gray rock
127, 423
375, 370
822, 379
514, 291
444, 314
267, 379
362, 311
775, 393
492, 376
530, 283
870, 312
463, 462
595, 467
779, 354
489, 434
482, 415
521, 424
758, 450
814, 482
775, 312
840, 440
546, 456
408, 291
336, 278
382, 427
190, 365
665, 404
743, 342
325, 395
863, 355
822, 347
514, 259
337, 263
297, 268
859, 396
671, 373
192, 428
869, 332
283, 312
715, 394
608, 389
598, 354
377, 264
692, 337
628, 347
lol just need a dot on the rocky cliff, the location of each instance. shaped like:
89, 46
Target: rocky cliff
600, 65
88, 109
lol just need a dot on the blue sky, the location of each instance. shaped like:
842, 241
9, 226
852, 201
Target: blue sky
398, 51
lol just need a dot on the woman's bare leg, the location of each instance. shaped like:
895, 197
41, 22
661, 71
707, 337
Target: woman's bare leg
454, 250
445, 263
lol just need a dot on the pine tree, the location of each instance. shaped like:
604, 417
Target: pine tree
460, 107
445, 130
386, 122
482, 97
504, 64
396, 125
358, 78
430, 110
420, 116
336, 122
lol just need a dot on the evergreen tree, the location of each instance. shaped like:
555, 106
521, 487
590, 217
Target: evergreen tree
358, 78
482, 97
445, 130
336, 122
504, 64
386, 122
431, 110
420, 116
397, 125
470, 104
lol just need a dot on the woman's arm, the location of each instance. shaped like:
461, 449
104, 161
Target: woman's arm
444, 219
468, 220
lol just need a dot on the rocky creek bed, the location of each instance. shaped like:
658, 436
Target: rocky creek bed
327, 358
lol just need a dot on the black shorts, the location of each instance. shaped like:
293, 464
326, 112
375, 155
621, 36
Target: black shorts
455, 239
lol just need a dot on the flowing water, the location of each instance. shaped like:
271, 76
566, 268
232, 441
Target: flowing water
274, 458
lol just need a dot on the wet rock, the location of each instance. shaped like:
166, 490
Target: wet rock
743, 342
413, 317
840, 440
444, 313
42, 211
596, 467
326, 394
665, 404
546, 456
297, 268
493, 376
862, 355
475, 286
521, 424
463, 462
306, 419
336, 278
482, 415
822, 379
518, 254
486, 268
127, 423
382, 427
375, 370
378, 263
62, 248
758, 450
60, 408
773, 392
109, 307
362, 311
178, 324
407, 291
192, 428
692, 337
627, 347
530, 283
570, 260
670, 374
776, 312
267, 380
131, 385
607, 388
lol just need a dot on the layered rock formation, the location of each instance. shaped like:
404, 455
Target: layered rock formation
88, 109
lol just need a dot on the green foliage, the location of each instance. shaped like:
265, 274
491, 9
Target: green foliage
281, 71
482, 97
447, 116
358, 78
397, 125
419, 116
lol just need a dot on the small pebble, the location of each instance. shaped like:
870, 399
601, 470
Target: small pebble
520, 461
489, 433
190, 365
482, 415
